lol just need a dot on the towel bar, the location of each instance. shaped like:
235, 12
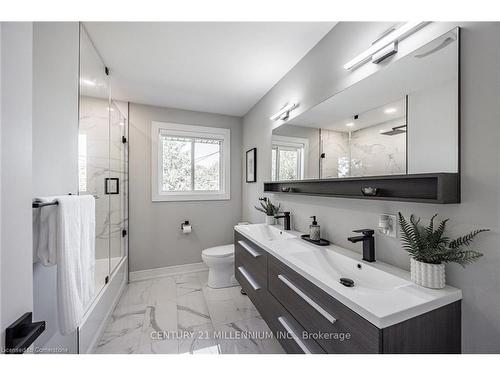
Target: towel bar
22, 333
43, 204
38, 204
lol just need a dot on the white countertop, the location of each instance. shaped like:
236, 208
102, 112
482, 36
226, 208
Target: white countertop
383, 294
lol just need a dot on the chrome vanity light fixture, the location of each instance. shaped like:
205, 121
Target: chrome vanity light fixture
385, 46
284, 112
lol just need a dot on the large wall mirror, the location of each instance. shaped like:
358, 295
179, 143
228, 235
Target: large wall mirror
403, 119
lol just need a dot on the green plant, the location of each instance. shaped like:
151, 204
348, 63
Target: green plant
267, 207
430, 245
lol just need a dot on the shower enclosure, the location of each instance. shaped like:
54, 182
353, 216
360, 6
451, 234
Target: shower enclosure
103, 159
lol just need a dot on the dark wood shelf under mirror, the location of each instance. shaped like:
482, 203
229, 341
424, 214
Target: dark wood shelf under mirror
437, 188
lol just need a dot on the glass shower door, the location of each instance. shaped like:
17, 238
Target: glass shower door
103, 159
118, 183
94, 147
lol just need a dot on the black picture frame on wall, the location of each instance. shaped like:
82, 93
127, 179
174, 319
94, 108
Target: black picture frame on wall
251, 165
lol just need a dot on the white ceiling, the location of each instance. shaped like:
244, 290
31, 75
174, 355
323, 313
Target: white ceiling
203, 66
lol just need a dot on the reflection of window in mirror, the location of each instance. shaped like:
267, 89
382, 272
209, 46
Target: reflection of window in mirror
289, 158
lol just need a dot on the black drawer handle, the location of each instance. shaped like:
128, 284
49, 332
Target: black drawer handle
307, 299
249, 278
250, 250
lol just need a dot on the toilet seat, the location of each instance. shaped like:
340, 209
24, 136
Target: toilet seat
219, 251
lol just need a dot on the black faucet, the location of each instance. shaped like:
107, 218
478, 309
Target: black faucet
286, 221
368, 243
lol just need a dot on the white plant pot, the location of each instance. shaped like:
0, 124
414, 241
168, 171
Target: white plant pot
428, 275
270, 220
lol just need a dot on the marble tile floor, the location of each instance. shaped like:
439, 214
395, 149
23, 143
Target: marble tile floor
180, 315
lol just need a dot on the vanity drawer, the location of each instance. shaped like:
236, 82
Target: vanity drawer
287, 330
320, 313
252, 258
277, 317
255, 291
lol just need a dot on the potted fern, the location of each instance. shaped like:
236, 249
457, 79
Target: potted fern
269, 209
430, 250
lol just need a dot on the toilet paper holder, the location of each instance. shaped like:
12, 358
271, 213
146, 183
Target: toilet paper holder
185, 224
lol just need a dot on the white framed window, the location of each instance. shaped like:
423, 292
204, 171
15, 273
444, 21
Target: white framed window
289, 158
190, 162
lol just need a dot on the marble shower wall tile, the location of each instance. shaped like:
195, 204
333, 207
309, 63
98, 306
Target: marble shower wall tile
102, 125
374, 153
335, 145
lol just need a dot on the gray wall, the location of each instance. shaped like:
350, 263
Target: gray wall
55, 108
155, 237
55, 149
320, 74
16, 113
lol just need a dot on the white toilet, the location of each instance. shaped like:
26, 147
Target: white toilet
220, 262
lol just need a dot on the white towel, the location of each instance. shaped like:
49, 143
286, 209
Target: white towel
45, 232
75, 259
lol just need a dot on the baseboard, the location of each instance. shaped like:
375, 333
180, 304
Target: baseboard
167, 271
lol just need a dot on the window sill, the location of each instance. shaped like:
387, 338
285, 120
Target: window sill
191, 197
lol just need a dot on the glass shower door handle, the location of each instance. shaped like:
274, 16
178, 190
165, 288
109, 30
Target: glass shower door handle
112, 185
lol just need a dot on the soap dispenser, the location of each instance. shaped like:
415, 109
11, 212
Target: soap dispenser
314, 230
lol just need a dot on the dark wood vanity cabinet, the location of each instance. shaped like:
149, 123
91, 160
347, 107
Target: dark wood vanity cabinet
251, 265
319, 312
305, 319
